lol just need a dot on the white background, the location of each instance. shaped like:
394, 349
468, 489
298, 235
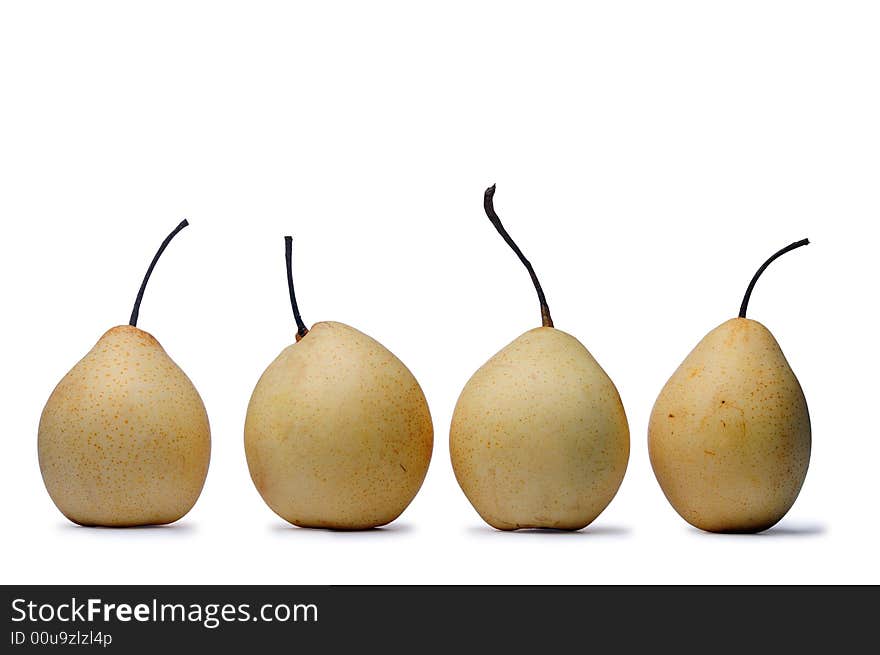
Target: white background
649, 156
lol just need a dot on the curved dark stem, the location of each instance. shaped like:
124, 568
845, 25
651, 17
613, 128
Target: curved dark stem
301, 329
488, 205
745, 303
137, 302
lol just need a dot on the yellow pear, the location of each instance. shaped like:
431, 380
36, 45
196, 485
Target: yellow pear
539, 437
729, 436
124, 438
338, 433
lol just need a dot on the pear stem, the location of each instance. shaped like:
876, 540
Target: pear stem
301, 329
137, 302
488, 205
745, 303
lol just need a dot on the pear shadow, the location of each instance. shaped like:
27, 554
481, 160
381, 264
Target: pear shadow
807, 530
795, 530
787, 530
170, 529
381, 531
589, 531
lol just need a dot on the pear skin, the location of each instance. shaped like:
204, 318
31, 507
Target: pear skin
338, 433
729, 436
124, 438
539, 437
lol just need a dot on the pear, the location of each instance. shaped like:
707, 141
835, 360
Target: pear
338, 433
729, 436
124, 438
539, 437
